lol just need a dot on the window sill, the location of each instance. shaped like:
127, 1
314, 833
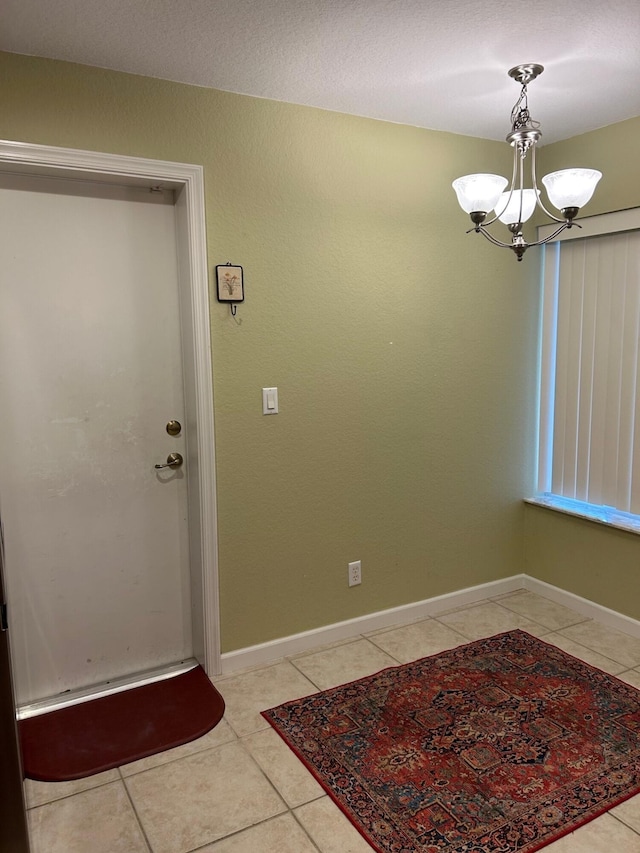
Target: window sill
604, 515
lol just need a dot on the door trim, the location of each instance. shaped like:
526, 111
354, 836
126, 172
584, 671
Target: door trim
187, 181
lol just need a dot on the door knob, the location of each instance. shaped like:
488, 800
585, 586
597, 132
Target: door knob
174, 460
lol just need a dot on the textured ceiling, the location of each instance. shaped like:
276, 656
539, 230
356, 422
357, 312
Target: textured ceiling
429, 63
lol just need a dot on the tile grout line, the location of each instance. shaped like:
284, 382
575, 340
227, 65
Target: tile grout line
373, 642
65, 796
295, 817
135, 812
356, 639
271, 785
579, 619
529, 618
177, 757
455, 630
309, 679
591, 649
237, 832
288, 809
624, 823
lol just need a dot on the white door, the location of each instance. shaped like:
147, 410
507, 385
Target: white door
90, 374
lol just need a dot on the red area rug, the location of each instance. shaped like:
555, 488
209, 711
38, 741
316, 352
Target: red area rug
498, 746
103, 733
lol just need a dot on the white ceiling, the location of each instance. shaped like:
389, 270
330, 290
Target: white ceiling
430, 63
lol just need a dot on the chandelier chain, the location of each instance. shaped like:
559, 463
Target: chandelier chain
520, 115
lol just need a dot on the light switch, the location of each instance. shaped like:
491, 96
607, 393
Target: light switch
269, 401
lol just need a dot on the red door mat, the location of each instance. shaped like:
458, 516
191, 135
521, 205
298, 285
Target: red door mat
103, 733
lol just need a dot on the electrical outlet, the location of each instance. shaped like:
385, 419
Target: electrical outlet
355, 573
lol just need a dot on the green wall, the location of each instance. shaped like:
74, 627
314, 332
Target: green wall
614, 151
599, 563
403, 350
584, 557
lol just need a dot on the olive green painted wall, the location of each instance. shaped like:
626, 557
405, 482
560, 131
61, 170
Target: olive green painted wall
589, 559
403, 350
614, 151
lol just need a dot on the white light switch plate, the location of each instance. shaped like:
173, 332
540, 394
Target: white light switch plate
269, 401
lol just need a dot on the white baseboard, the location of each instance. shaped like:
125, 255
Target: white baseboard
601, 614
265, 653
297, 643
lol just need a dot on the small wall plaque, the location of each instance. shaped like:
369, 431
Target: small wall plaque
230, 280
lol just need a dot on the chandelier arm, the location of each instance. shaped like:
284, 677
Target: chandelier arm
521, 173
492, 239
511, 187
537, 191
558, 230
562, 227
489, 222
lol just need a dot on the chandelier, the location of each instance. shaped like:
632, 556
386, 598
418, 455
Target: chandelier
568, 190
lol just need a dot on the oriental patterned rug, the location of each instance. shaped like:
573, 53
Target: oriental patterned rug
499, 746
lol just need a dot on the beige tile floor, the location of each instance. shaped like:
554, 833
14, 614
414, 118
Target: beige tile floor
239, 789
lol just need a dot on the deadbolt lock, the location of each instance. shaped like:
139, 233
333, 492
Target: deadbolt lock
174, 427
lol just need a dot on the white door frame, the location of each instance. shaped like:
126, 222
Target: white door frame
187, 181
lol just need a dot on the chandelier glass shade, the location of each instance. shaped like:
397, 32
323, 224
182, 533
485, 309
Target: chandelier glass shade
516, 206
568, 190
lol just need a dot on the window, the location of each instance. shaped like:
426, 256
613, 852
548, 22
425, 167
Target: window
589, 434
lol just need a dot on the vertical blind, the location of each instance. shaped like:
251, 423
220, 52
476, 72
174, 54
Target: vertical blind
589, 446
